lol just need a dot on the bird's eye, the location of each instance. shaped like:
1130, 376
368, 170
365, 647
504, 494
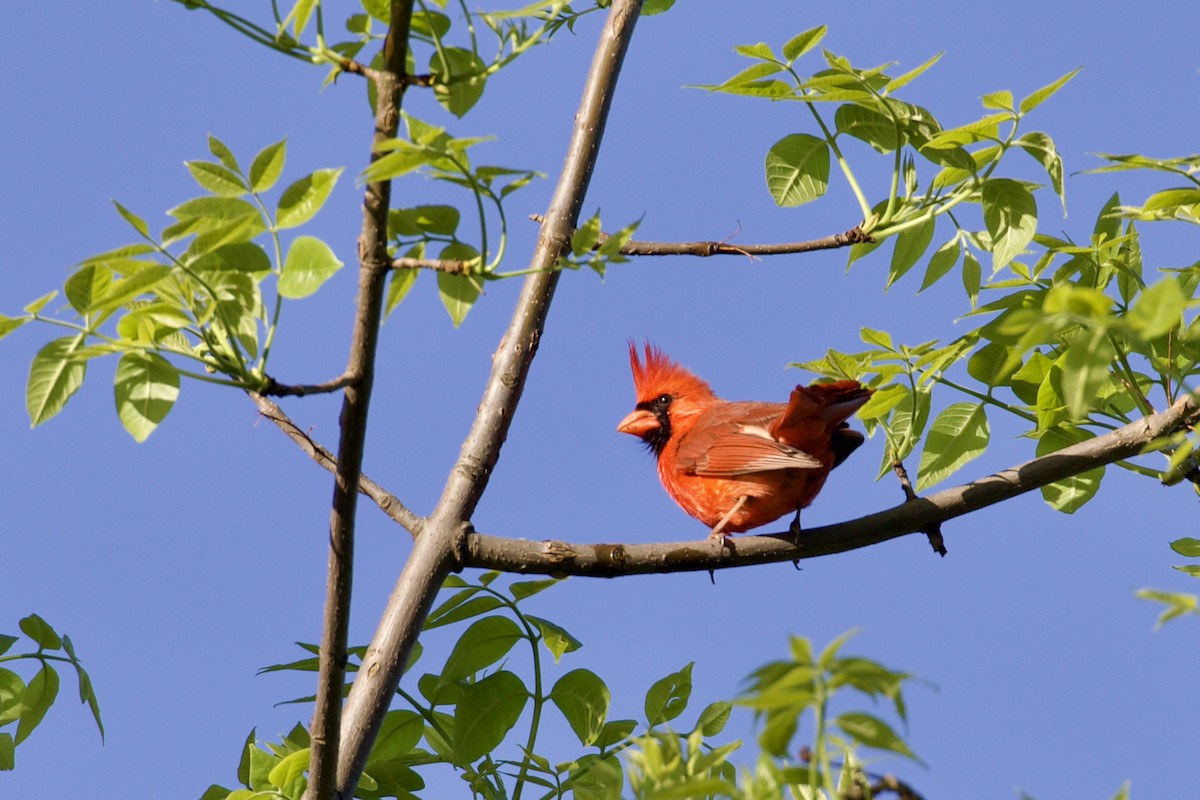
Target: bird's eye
663, 400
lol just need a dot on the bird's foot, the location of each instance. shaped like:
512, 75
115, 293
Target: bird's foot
718, 531
794, 529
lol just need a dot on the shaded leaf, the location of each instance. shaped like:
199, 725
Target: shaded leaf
482, 644
958, 434
485, 713
668, 697
1010, 214
583, 699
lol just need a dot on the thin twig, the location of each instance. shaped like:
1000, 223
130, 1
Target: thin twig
276, 389
561, 558
934, 530
450, 265
388, 503
723, 248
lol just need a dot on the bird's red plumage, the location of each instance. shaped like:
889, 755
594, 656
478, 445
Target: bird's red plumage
711, 452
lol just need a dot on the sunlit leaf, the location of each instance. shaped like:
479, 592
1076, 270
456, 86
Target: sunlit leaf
1069, 494
958, 434
268, 166
217, 178
482, 644
1010, 214
54, 376
145, 388
1041, 95
797, 169
304, 198
309, 263
668, 697
583, 698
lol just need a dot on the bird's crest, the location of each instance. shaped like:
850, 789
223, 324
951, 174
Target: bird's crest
657, 374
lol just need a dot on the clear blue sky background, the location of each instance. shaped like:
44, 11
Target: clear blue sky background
181, 566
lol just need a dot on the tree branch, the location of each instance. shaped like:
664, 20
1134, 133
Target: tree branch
374, 262
704, 249
450, 265
560, 558
387, 502
438, 548
276, 389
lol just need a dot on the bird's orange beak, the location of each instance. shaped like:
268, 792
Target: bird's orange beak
638, 423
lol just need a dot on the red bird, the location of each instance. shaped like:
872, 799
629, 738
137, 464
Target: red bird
736, 466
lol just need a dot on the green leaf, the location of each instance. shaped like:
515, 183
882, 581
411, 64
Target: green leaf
872, 732
911, 244
217, 179
985, 129
54, 376
481, 645
462, 77
1026, 380
761, 51
523, 589
1001, 100
399, 734
145, 388
1084, 369
37, 305
883, 401
288, 774
436, 219
713, 718
556, 638
942, 261
972, 275
10, 324
1010, 214
133, 219
268, 166
801, 43
652, 7
992, 364
485, 713
1041, 147
309, 263
868, 125
797, 169
668, 697
958, 434
458, 292
6, 643
1159, 309
1187, 546
1177, 603
121, 292
583, 699
8, 752
39, 696
912, 74
1069, 494
237, 257
1041, 95
304, 198
41, 632
12, 689
472, 608
86, 284
223, 153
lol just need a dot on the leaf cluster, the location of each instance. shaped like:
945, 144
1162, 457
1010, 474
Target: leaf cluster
25, 704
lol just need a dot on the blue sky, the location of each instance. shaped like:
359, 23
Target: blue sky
182, 565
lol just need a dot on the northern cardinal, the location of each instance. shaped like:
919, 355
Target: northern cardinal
736, 466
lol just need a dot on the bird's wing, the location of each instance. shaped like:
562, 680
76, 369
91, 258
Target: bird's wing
734, 439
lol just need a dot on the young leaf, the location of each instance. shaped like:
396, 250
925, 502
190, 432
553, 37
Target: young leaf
118, 293
1069, 494
911, 244
223, 153
485, 713
481, 645
873, 732
41, 632
462, 77
54, 376
309, 263
797, 169
1010, 214
133, 219
304, 198
145, 388
1084, 369
942, 261
557, 639
1159, 309
288, 774
217, 179
801, 43
668, 697
713, 718
86, 284
39, 696
583, 699
267, 166
958, 434
1041, 95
